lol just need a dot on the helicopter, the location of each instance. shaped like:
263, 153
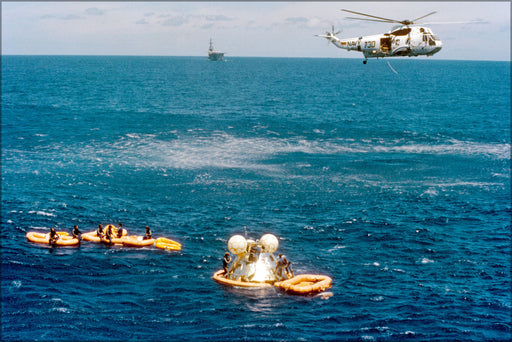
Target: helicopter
402, 40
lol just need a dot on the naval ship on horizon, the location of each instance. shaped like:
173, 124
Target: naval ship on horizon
214, 55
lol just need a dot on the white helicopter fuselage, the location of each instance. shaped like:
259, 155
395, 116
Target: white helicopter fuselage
402, 41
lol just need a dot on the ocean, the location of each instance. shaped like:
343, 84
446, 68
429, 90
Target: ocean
395, 182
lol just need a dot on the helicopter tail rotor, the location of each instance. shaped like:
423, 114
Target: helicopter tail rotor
332, 31
329, 35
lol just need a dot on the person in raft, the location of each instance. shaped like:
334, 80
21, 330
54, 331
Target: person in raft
120, 230
225, 262
99, 231
148, 233
77, 234
53, 236
109, 232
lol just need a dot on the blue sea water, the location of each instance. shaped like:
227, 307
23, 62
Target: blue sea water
395, 185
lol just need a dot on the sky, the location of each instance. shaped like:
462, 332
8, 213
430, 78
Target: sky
242, 29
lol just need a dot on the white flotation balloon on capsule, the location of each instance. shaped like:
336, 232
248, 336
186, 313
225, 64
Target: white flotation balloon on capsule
269, 242
237, 244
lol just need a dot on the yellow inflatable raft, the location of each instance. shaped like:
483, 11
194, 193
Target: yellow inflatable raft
219, 278
64, 238
114, 241
137, 241
167, 244
305, 284
93, 237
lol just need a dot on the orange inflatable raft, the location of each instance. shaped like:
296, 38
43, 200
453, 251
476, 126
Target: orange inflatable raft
305, 284
219, 278
167, 244
114, 241
93, 236
64, 238
136, 241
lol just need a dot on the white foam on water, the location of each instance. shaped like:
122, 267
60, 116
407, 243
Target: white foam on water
42, 213
431, 192
452, 147
196, 149
464, 184
336, 247
426, 261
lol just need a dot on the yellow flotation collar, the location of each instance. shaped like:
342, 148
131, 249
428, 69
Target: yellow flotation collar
219, 278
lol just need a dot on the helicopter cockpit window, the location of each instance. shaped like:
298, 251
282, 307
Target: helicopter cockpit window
430, 39
401, 32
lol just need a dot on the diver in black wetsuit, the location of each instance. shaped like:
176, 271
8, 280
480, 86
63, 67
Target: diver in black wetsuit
77, 233
99, 231
148, 233
225, 262
53, 236
120, 230
108, 233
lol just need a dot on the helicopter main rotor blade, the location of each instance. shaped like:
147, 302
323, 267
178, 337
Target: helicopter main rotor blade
372, 16
453, 22
379, 21
424, 16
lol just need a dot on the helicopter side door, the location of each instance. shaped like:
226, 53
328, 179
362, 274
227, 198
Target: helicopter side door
385, 44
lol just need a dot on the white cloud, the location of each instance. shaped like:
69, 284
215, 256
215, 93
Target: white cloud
94, 11
217, 18
174, 21
71, 17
